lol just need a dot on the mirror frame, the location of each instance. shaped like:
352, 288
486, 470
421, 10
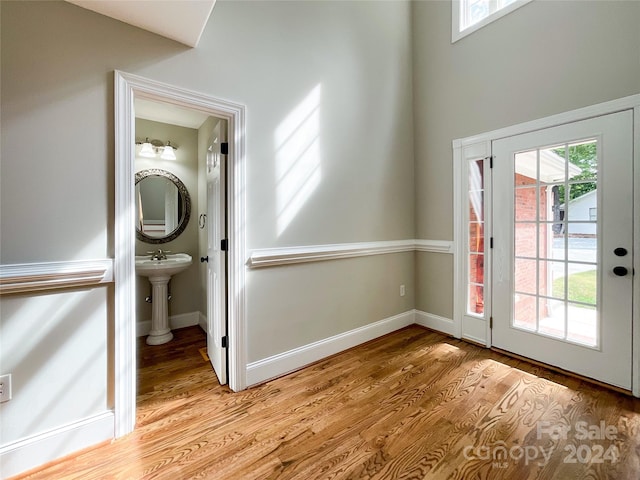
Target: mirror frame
186, 201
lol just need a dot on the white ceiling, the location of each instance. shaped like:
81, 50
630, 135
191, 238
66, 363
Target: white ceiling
179, 20
167, 113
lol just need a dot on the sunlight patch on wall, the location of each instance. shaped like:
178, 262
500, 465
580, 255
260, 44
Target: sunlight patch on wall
298, 172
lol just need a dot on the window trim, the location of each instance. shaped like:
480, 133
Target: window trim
456, 5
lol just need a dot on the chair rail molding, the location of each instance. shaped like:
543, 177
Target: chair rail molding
435, 246
37, 277
271, 257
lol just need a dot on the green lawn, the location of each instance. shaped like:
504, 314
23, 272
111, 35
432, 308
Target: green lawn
582, 287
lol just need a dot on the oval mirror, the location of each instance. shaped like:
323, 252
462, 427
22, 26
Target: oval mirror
163, 206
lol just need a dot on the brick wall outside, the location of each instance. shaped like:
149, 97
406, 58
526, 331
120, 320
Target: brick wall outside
525, 245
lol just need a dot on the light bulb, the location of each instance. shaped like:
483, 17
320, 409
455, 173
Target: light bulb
168, 152
147, 150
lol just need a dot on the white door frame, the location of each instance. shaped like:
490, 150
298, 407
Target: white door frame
128, 87
477, 328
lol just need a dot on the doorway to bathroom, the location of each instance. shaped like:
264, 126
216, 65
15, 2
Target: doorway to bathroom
134, 94
196, 295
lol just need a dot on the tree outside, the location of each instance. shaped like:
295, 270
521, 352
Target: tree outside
584, 156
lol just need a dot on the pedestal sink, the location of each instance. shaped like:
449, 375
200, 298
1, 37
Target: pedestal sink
159, 273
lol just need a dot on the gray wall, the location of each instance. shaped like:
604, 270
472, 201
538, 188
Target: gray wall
545, 58
55, 347
368, 88
185, 286
348, 62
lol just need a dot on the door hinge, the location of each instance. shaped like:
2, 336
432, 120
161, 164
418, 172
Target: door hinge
491, 242
490, 322
224, 148
224, 245
490, 161
225, 342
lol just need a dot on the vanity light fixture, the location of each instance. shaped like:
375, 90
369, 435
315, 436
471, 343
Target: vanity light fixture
168, 152
147, 149
153, 148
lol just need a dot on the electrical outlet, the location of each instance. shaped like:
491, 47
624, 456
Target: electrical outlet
402, 290
5, 388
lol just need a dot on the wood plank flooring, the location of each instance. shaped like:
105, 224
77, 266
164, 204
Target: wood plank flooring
411, 405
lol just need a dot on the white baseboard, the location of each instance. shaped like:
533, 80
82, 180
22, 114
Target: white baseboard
32, 452
202, 321
434, 322
175, 321
286, 362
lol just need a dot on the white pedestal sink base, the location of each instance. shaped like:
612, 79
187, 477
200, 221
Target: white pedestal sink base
160, 331
159, 272
156, 339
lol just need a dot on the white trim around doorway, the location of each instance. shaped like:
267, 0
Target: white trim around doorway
478, 146
128, 87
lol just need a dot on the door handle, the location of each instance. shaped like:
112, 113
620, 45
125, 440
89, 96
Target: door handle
620, 252
206, 259
620, 271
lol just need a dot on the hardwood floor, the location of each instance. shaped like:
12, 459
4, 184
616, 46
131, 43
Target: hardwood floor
411, 405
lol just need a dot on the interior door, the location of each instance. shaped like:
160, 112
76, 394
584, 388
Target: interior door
563, 237
217, 261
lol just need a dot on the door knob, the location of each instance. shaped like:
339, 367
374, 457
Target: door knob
206, 259
620, 252
620, 271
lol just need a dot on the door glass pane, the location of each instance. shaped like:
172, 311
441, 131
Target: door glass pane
476, 299
475, 238
525, 204
550, 208
582, 284
476, 268
582, 324
555, 236
553, 165
558, 246
582, 247
525, 275
552, 317
525, 240
526, 168
583, 161
552, 282
525, 314
545, 203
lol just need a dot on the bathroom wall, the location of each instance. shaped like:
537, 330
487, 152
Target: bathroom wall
184, 287
542, 59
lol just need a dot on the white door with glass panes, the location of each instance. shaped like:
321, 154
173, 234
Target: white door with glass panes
563, 234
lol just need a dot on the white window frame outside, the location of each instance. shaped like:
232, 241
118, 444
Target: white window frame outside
456, 15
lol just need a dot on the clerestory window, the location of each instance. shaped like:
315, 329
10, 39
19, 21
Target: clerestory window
471, 15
